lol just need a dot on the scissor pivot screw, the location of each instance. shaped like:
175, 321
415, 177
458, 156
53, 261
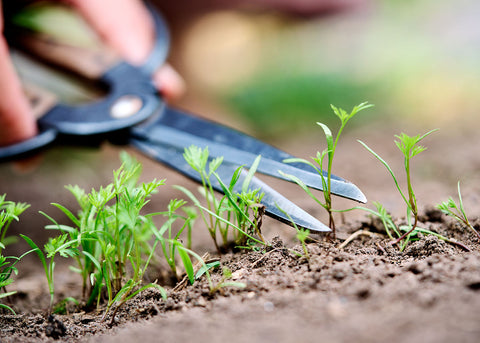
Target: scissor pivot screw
126, 106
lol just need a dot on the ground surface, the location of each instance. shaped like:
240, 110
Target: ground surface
365, 292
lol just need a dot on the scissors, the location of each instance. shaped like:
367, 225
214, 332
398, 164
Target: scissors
134, 113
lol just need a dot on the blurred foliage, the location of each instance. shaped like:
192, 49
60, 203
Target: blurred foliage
416, 61
277, 103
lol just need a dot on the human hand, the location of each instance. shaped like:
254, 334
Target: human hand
124, 25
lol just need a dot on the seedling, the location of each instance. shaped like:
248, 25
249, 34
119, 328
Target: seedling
57, 245
110, 239
224, 282
233, 210
393, 231
409, 147
171, 243
319, 160
7, 269
9, 211
302, 235
450, 208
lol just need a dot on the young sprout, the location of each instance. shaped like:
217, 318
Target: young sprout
450, 208
224, 282
233, 210
393, 230
302, 234
329, 152
9, 211
7, 269
409, 147
110, 239
58, 245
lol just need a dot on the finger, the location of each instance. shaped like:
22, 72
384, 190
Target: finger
169, 82
16, 120
124, 25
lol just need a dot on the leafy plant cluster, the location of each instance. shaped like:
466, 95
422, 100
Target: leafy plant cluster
236, 215
112, 241
9, 211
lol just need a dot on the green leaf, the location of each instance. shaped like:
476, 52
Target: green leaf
389, 170
187, 262
250, 174
328, 136
67, 212
203, 269
214, 164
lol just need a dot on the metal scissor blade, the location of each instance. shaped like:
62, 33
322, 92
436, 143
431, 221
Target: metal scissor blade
173, 158
180, 130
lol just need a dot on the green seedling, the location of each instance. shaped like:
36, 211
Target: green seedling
233, 211
329, 152
409, 147
450, 208
110, 236
224, 282
170, 242
61, 306
393, 231
9, 211
58, 245
7, 270
302, 235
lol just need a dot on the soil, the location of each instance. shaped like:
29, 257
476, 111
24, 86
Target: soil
365, 292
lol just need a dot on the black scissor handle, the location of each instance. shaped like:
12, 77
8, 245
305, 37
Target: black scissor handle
132, 98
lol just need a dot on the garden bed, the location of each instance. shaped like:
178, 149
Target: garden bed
367, 292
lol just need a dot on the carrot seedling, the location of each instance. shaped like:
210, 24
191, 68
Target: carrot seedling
409, 147
234, 210
58, 245
450, 208
9, 211
329, 152
7, 269
393, 231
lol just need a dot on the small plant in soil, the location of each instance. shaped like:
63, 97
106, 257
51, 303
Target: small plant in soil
225, 282
9, 211
329, 152
409, 146
302, 235
58, 245
394, 231
450, 208
170, 241
239, 213
7, 270
113, 243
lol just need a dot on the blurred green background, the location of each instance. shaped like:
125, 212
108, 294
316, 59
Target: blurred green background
415, 60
